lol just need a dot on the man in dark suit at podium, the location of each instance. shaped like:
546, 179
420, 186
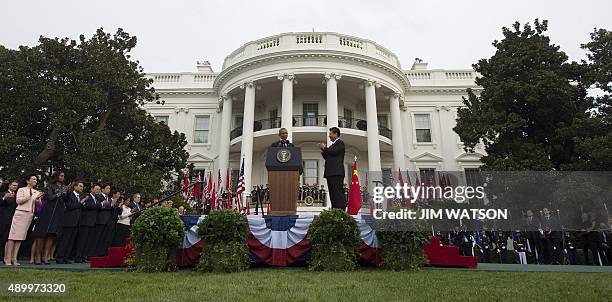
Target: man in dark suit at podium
334, 168
283, 134
282, 142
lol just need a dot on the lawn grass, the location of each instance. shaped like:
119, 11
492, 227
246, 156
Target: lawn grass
298, 284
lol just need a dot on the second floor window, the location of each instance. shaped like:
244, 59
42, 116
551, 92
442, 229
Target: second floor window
238, 121
202, 128
383, 121
423, 129
311, 113
274, 120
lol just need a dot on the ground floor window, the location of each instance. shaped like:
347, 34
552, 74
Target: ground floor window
427, 176
311, 172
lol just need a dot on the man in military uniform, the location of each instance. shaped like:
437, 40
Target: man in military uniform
552, 238
607, 236
570, 248
255, 198
520, 247
587, 238
262, 196
502, 246
345, 191
486, 246
322, 196
534, 237
300, 194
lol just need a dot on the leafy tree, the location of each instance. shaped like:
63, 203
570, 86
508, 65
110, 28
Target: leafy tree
529, 92
592, 130
77, 106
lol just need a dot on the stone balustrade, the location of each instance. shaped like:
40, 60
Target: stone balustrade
311, 41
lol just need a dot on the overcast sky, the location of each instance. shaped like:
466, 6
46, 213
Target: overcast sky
172, 35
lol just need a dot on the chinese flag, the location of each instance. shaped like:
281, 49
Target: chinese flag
196, 188
354, 196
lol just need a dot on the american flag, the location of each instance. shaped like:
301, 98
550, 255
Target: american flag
240, 188
207, 187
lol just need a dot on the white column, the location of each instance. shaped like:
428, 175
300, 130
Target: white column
396, 134
372, 131
224, 141
374, 166
287, 104
246, 152
331, 80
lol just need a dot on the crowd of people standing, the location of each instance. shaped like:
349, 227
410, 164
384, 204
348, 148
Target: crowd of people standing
62, 222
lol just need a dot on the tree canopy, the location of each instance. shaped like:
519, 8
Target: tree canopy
533, 112
76, 106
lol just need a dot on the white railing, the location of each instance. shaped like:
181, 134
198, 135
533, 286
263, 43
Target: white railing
309, 39
204, 77
167, 78
421, 75
351, 42
460, 75
439, 77
274, 42
323, 41
182, 80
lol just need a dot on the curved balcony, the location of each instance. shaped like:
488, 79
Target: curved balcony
311, 121
327, 41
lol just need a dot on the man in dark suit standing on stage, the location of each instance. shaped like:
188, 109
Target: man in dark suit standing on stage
8, 204
70, 222
87, 224
334, 168
283, 134
282, 142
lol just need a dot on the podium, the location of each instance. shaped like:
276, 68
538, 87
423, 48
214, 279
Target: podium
284, 165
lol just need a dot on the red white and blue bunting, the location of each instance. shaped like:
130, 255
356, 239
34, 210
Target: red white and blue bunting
278, 240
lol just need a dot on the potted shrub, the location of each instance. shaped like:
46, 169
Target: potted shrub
156, 235
224, 233
334, 236
401, 242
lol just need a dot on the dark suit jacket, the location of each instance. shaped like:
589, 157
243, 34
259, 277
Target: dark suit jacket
89, 212
334, 159
7, 208
72, 211
137, 211
104, 213
278, 144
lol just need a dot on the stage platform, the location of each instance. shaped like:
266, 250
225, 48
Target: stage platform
73, 267
492, 267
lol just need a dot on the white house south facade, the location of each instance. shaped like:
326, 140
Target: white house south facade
307, 83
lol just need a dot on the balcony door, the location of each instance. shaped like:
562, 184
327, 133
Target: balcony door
311, 114
348, 118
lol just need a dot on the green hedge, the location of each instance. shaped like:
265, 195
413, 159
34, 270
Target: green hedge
157, 234
224, 233
401, 242
334, 236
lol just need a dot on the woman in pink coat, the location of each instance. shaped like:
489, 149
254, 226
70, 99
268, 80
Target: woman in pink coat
27, 200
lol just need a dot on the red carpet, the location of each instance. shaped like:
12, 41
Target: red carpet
115, 258
447, 255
